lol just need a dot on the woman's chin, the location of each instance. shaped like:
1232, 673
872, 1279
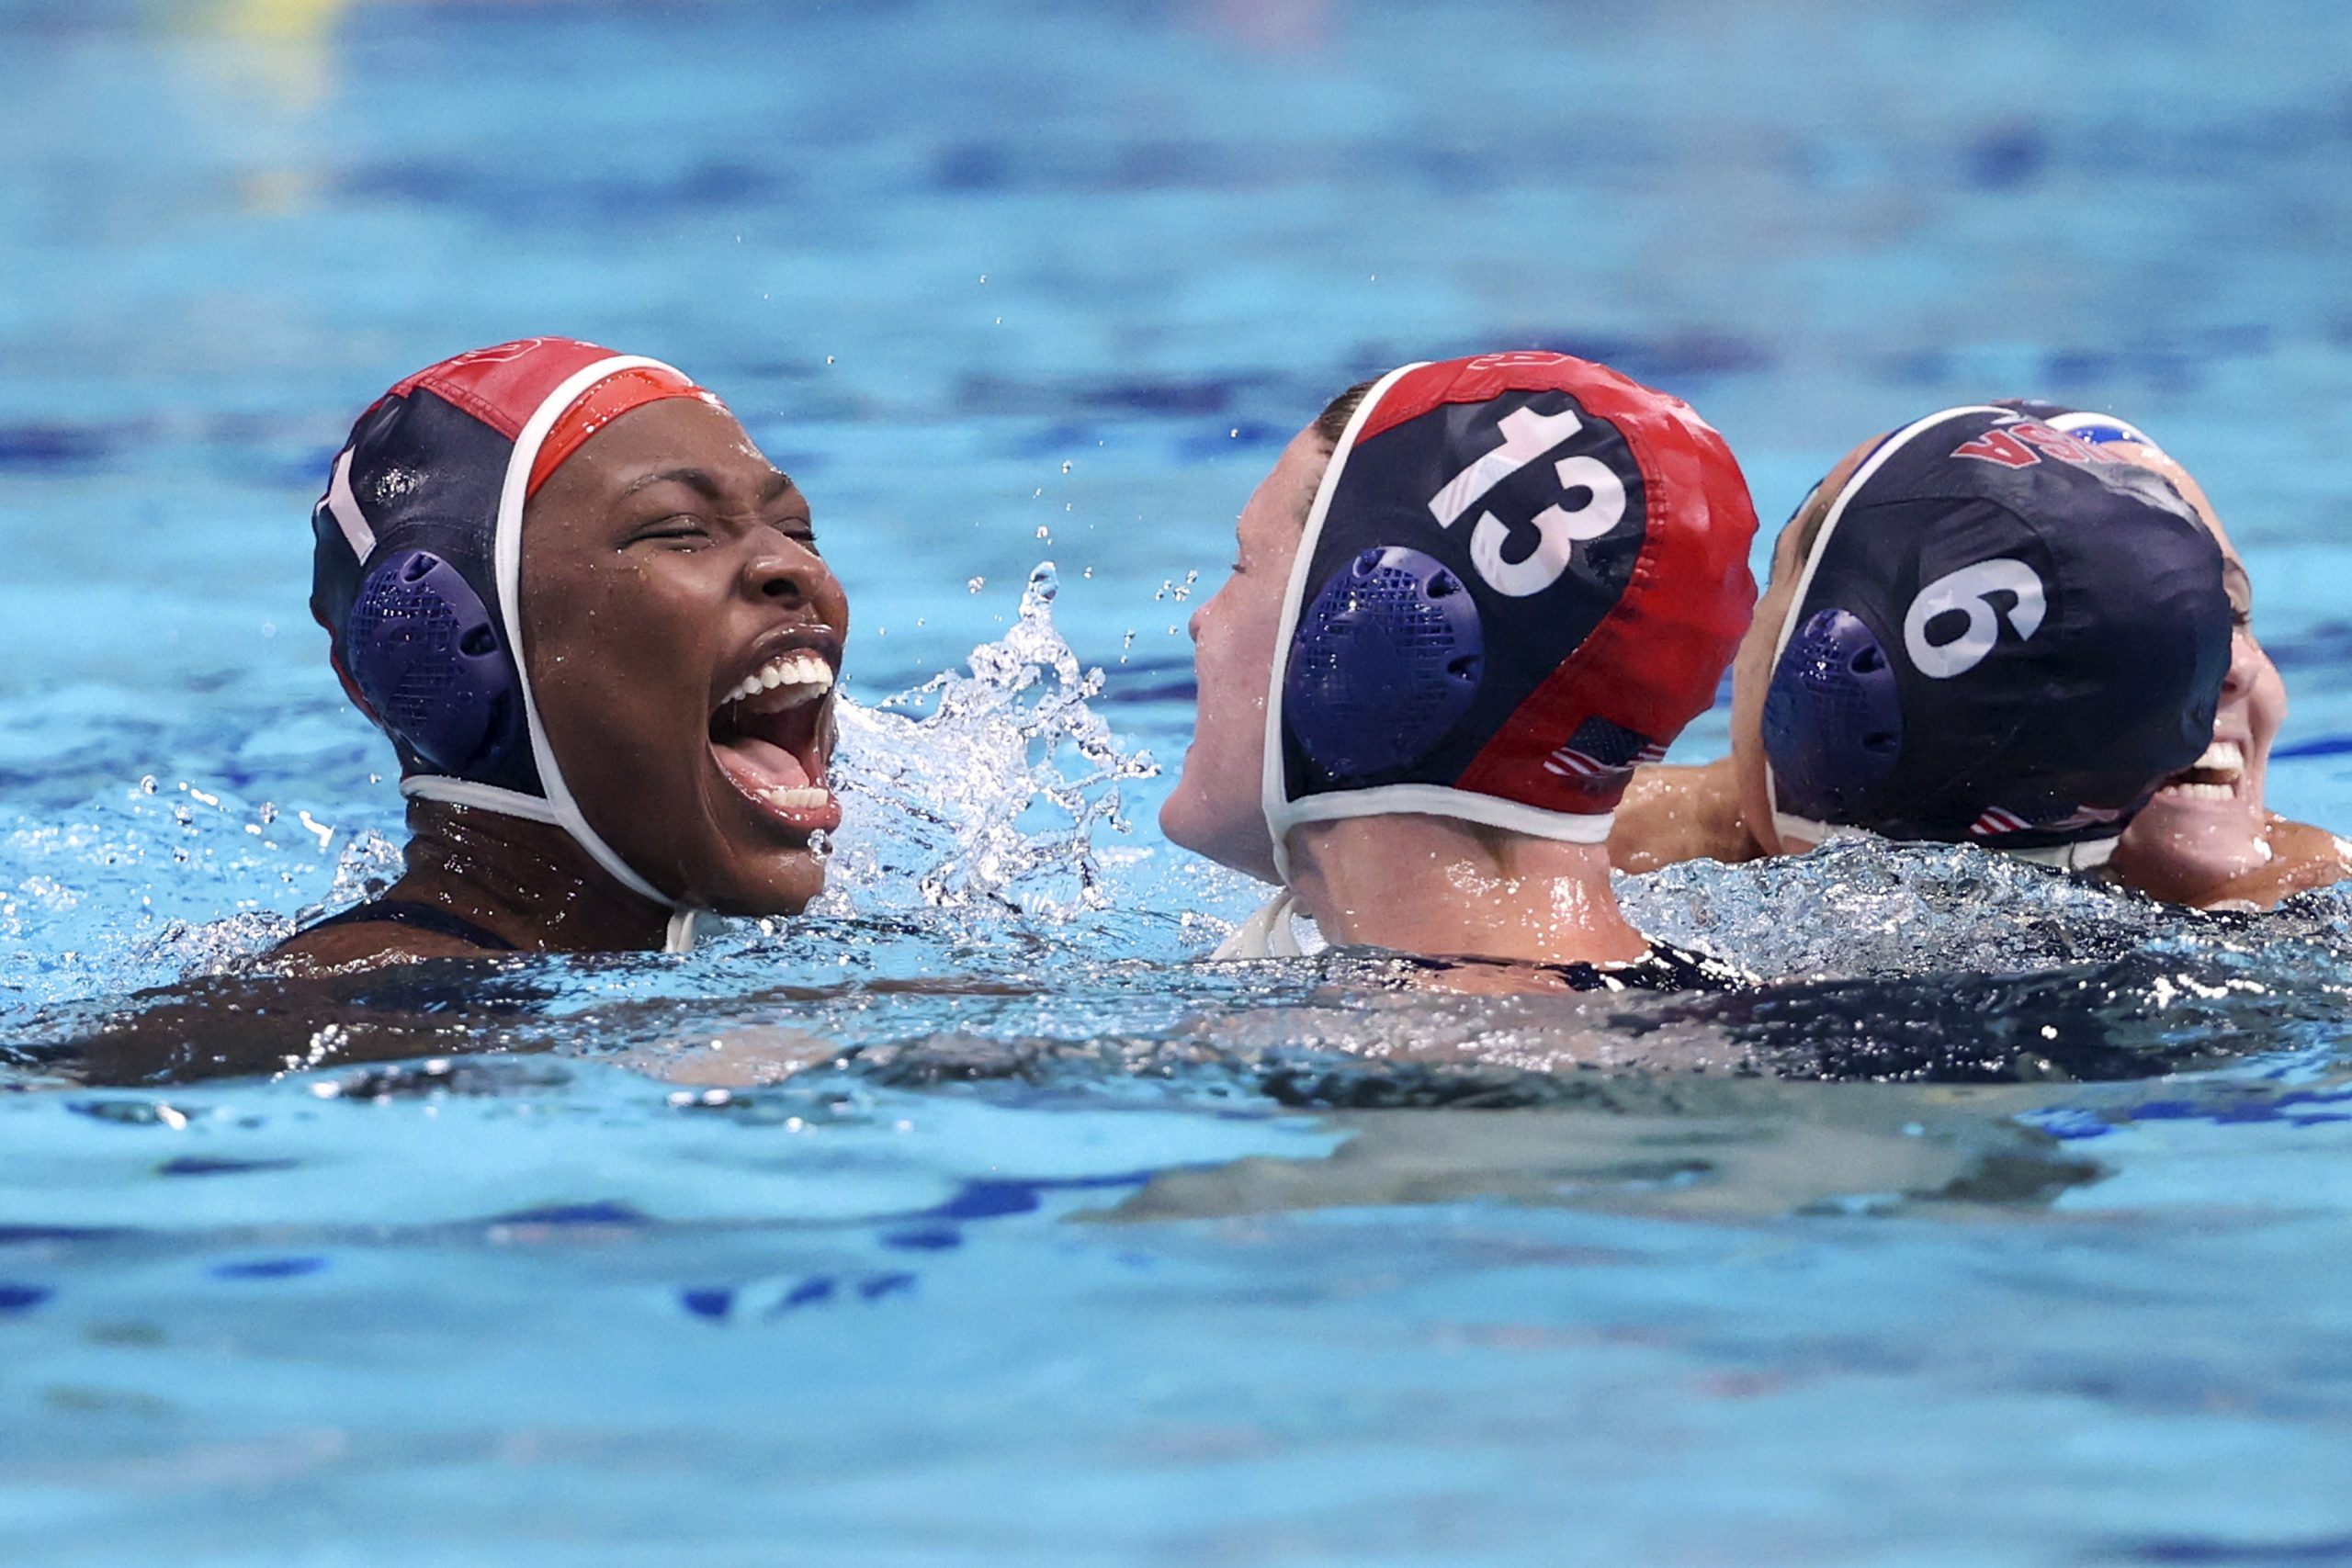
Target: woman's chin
769, 883
1180, 819
2197, 838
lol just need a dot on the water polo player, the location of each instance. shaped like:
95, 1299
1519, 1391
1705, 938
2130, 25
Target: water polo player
592, 618
2207, 837
1978, 630
1470, 599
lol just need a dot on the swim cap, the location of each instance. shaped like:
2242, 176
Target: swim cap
417, 568
1521, 576
2003, 635
2099, 429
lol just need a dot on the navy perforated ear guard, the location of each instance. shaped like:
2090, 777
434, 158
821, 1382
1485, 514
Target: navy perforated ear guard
1385, 662
1833, 719
423, 647
426, 655
2007, 641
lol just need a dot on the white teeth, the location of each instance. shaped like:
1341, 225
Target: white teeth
799, 676
2222, 756
2200, 791
799, 799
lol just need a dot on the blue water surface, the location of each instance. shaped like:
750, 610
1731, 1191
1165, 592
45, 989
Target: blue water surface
969, 1221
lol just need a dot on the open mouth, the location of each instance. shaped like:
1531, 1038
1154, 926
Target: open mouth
2214, 776
770, 734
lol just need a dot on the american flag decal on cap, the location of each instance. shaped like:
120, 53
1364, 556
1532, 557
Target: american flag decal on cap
1599, 747
1997, 820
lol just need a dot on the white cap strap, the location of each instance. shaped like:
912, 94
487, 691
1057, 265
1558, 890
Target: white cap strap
1282, 814
480, 797
560, 808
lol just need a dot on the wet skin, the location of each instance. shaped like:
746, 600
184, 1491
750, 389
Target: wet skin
664, 562
2206, 840
1414, 883
1722, 810
1215, 809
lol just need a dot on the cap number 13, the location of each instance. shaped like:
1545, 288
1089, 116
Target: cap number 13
1527, 435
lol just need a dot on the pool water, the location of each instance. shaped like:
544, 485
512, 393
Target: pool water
970, 1220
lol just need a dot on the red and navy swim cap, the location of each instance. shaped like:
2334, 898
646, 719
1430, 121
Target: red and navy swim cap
2003, 634
1521, 576
416, 567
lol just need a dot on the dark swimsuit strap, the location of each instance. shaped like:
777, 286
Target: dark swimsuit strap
1664, 967
425, 918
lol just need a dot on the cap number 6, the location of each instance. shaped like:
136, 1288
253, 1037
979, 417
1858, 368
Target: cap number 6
1969, 591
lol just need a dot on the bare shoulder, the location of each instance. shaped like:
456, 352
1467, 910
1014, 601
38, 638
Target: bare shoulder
365, 945
1674, 814
2303, 856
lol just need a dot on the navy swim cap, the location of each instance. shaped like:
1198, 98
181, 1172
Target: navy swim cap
2099, 429
416, 570
2003, 635
1521, 576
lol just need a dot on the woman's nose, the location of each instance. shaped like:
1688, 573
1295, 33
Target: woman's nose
791, 576
2242, 665
772, 576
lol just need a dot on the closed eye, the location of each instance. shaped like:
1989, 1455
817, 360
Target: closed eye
670, 530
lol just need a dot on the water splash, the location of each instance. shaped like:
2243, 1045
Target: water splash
149, 882
1869, 908
994, 798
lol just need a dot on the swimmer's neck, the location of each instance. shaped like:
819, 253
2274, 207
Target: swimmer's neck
1434, 885
529, 882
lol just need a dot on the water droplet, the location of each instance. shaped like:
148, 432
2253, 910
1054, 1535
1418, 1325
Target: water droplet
976, 585
1044, 583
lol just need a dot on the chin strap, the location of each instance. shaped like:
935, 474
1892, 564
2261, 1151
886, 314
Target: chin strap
680, 935
2084, 855
2087, 855
480, 797
1270, 932
559, 808
677, 937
